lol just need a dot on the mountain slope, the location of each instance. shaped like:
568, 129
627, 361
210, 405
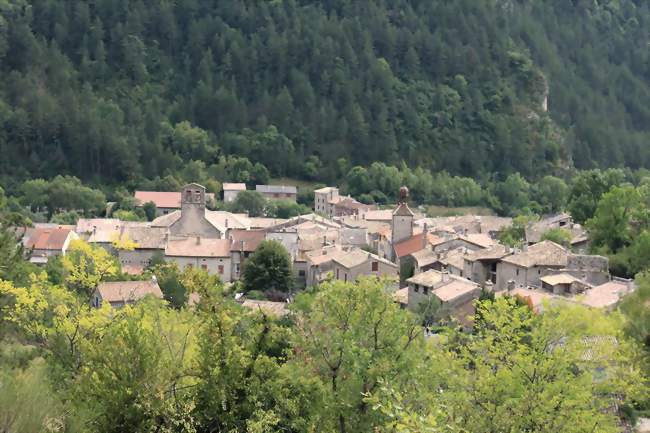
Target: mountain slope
100, 89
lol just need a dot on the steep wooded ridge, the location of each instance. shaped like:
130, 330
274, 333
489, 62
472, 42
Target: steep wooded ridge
99, 89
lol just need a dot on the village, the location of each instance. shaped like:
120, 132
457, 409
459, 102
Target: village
449, 260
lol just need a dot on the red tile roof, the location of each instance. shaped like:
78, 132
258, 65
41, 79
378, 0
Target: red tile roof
128, 291
246, 240
46, 238
413, 244
163, 199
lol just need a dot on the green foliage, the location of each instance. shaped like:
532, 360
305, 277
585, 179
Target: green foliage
551, 194
515, 234
511, 197
268, 268
352, 336
63, 193
558, 235
286, 209
251, 202
127, 215
586, 190
533, 373
27, 402
150, 210
86, 266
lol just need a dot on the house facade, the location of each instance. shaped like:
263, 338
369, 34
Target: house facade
231, 190
278, 192
211, 255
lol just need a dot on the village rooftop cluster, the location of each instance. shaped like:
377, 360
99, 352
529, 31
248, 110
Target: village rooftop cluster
451, 259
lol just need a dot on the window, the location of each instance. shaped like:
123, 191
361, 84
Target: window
416, 288
375, 266
189, 266
204, 267
221, 269
337, 274
425, 290
301, 273
346, 278
188, 195
237, 267
517, 271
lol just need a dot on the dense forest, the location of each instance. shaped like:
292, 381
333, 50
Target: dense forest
115, 90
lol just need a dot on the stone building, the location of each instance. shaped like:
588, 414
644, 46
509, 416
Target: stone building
212, 255
231, 190
121, 293
278, 192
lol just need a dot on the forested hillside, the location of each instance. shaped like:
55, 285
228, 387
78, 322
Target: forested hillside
111, 90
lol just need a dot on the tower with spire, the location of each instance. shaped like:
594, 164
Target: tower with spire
402, 222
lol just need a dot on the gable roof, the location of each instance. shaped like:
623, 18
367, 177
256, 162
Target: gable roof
425, 257
128, 291
145, 236
403, 210
246, 240
605, 295
276, 309
234, 186
198, 247
165, 199
413, 244
276, 189
445, 286
479, 239
356, 257
545, 253
563, 278
52, 239
495, 252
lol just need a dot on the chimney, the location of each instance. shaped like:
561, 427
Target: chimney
198, 240
226, 222
445, 276
424, 236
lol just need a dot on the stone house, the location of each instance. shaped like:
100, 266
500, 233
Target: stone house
319, 263
212, 255
350, 265
244, 243
231, 190
278, 192
148, 241
480, 266
324, 200
564, 284
42, 243
121, 293
526, 268
579, 236
454, 293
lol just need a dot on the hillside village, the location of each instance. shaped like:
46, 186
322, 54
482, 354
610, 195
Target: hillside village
449, 259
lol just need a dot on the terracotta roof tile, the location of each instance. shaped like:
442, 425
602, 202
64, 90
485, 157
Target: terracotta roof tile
163, 199
246, 240
46, 238
198, 247
125, 291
